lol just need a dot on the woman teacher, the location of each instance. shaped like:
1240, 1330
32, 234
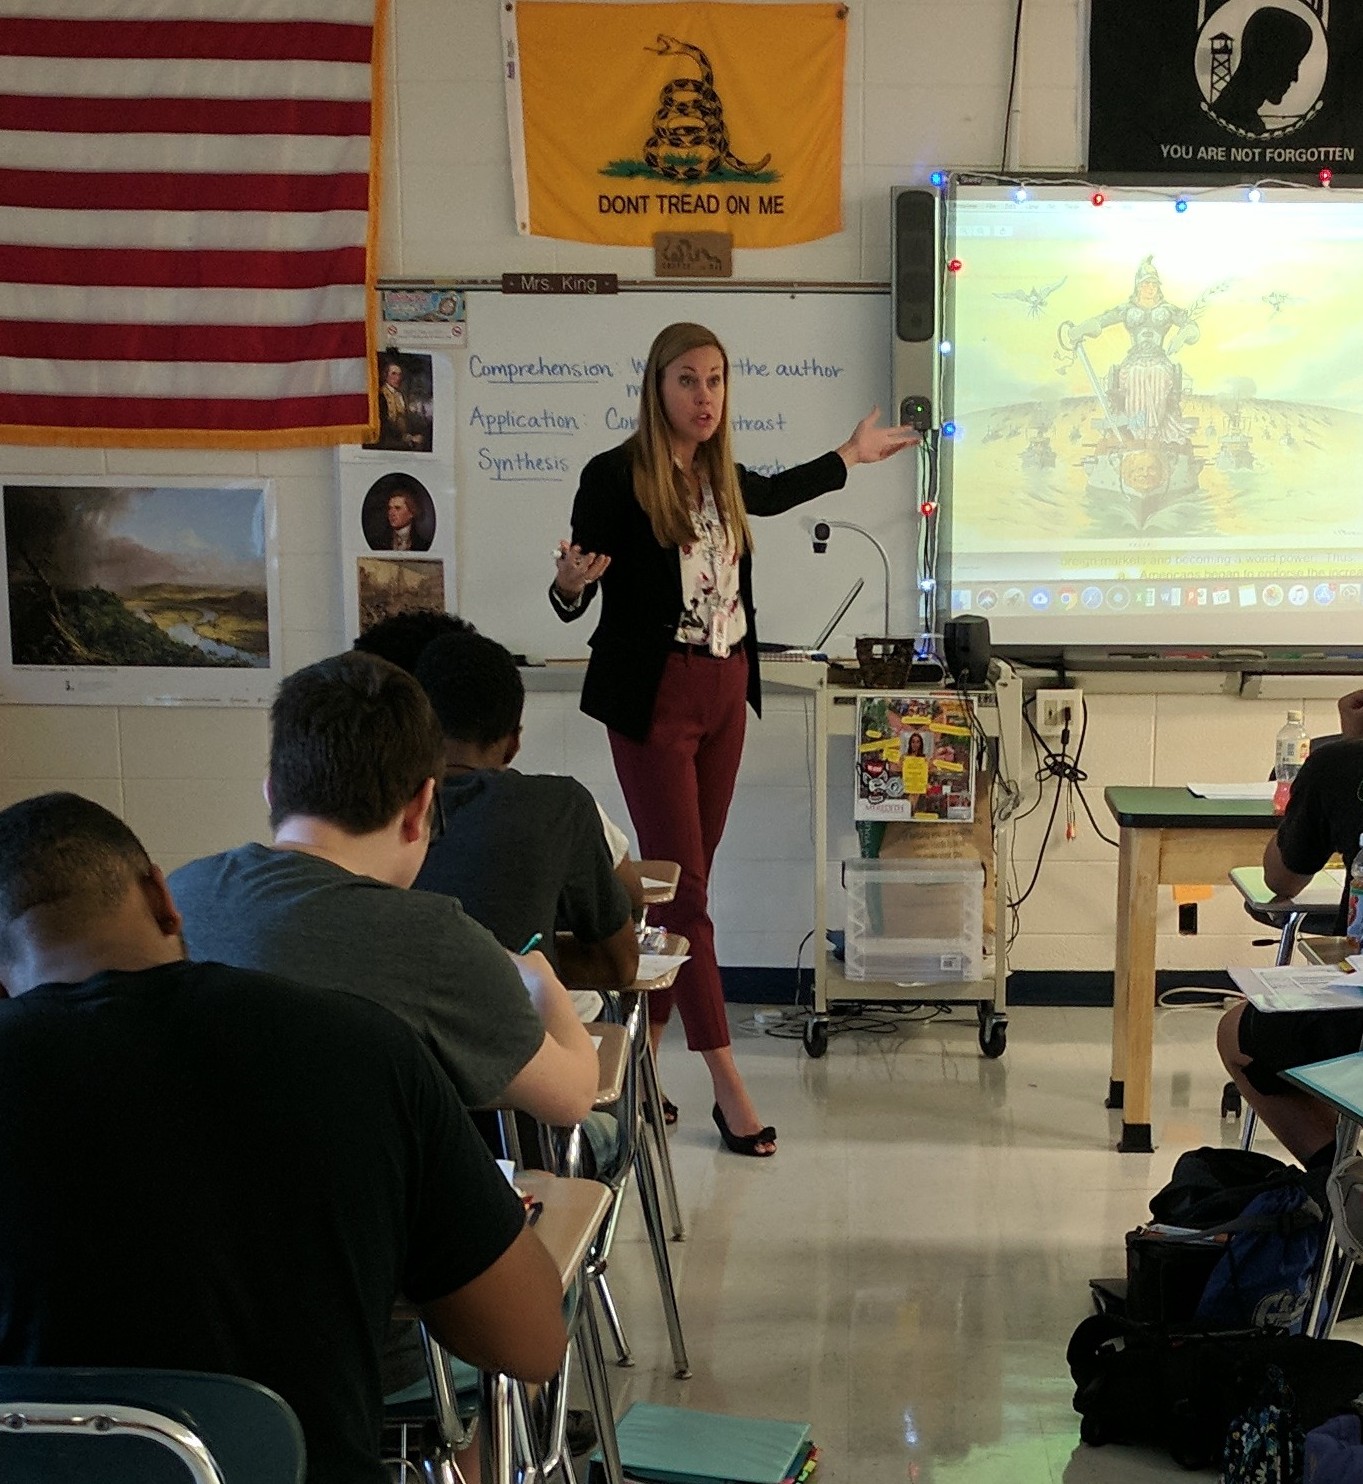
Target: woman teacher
660, 524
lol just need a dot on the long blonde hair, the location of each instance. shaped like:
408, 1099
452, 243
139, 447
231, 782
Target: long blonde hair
658, 483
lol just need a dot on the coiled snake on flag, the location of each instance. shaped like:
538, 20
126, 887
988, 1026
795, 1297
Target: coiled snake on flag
690, 118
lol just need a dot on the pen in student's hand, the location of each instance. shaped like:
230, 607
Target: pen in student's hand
533, 941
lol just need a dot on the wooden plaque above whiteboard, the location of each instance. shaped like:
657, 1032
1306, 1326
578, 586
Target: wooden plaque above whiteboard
544, 382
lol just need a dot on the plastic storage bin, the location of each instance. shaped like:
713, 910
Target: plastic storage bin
914, 922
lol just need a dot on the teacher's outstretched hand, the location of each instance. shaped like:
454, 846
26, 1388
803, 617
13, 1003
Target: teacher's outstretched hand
870, 444
575, 570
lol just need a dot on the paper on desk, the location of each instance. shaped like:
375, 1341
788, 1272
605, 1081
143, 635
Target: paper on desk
1233, 790
655, 965
651, 883
1289, 988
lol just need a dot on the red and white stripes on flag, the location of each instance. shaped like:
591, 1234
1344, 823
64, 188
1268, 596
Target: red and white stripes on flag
188, 197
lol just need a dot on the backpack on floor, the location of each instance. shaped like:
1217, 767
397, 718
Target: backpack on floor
1250, 1240
1180, 1390
1334, 1451
1266, 1444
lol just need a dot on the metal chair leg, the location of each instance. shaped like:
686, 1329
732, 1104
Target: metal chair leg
653, 1222
598, 1390
498, 1458
653, 1101
623, 1355
1336, 1266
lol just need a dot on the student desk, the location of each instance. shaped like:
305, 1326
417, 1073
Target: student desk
1338, 1083
572, 1215
1168, 837
666, 874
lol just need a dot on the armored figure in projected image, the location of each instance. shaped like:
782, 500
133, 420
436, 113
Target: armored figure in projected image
1144, 454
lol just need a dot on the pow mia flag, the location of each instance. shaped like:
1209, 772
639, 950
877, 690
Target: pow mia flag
1233, 86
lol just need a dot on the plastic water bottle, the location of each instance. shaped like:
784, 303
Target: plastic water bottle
1355, 918
1289, 753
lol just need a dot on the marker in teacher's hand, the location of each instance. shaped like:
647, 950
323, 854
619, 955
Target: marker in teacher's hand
531, 944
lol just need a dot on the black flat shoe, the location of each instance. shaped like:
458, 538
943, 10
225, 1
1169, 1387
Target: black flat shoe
744, 1143
669, 1113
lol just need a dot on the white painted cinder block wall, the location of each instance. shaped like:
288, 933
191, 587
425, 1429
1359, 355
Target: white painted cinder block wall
926, 86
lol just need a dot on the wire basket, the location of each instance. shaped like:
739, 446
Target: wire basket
885, 664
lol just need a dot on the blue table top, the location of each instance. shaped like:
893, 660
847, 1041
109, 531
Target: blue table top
1338, 1082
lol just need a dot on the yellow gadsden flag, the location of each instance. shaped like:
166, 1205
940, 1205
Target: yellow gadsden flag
636, 119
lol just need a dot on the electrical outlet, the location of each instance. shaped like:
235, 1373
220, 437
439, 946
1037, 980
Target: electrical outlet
1051, 706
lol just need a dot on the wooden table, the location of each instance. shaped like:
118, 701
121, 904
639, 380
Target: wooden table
1168, 837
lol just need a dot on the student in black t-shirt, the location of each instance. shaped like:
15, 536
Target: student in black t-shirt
210, 1169
1324, 817
523, 852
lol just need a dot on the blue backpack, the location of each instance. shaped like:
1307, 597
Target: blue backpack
1265, 1274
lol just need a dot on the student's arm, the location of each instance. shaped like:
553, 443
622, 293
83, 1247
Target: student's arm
1304, 838
612, 963
628, 874
558, 1084
509, 1318
1276, 875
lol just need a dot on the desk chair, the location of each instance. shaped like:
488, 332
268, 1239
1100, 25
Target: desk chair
1312, 911
523, 1437
641, 1092
665, 875
116, 1426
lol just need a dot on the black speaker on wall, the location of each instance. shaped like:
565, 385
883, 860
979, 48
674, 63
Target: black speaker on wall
915, 287
968, 650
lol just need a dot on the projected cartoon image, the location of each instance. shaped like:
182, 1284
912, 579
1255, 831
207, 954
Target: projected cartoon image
1144, 453
1134, 374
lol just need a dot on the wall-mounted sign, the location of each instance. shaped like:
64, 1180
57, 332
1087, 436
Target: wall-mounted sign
693, 255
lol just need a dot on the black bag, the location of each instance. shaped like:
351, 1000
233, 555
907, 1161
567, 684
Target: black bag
1209, 1186
1266, 1444
1137, 1383
1271, 1217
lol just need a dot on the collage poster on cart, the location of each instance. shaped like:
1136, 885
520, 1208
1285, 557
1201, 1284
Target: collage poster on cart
913, 758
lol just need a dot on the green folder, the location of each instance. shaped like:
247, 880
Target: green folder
676, 1446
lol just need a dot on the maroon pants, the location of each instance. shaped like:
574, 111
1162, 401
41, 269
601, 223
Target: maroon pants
678, 784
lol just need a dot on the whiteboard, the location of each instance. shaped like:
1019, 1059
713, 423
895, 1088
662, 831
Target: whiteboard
544, 383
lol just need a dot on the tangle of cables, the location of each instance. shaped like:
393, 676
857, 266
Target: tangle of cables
1062, 768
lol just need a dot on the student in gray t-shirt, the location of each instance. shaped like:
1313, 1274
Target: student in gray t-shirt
354, 753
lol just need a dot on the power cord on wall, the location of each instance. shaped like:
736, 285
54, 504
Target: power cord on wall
1069, 778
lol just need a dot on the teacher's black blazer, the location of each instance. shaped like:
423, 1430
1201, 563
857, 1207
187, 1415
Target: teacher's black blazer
641, 596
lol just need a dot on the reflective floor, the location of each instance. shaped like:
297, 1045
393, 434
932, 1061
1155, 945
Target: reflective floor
907, 1270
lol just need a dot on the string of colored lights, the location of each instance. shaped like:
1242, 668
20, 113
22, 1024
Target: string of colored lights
929, 506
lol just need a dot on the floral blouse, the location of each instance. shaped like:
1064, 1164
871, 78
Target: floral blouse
712, 609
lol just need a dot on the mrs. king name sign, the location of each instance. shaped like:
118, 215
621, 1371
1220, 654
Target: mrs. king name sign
1234, 86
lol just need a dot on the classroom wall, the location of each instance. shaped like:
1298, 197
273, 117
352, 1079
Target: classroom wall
926, 87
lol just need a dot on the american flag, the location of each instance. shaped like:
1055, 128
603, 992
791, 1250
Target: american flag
186, 193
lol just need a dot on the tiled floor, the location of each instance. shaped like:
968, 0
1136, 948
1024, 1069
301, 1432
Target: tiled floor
907, 1270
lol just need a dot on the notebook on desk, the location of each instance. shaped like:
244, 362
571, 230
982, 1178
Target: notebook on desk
815, 650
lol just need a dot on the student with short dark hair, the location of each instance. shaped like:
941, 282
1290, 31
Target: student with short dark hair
524, 853
355, 751
401, 637
1324, 817
210, 1169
